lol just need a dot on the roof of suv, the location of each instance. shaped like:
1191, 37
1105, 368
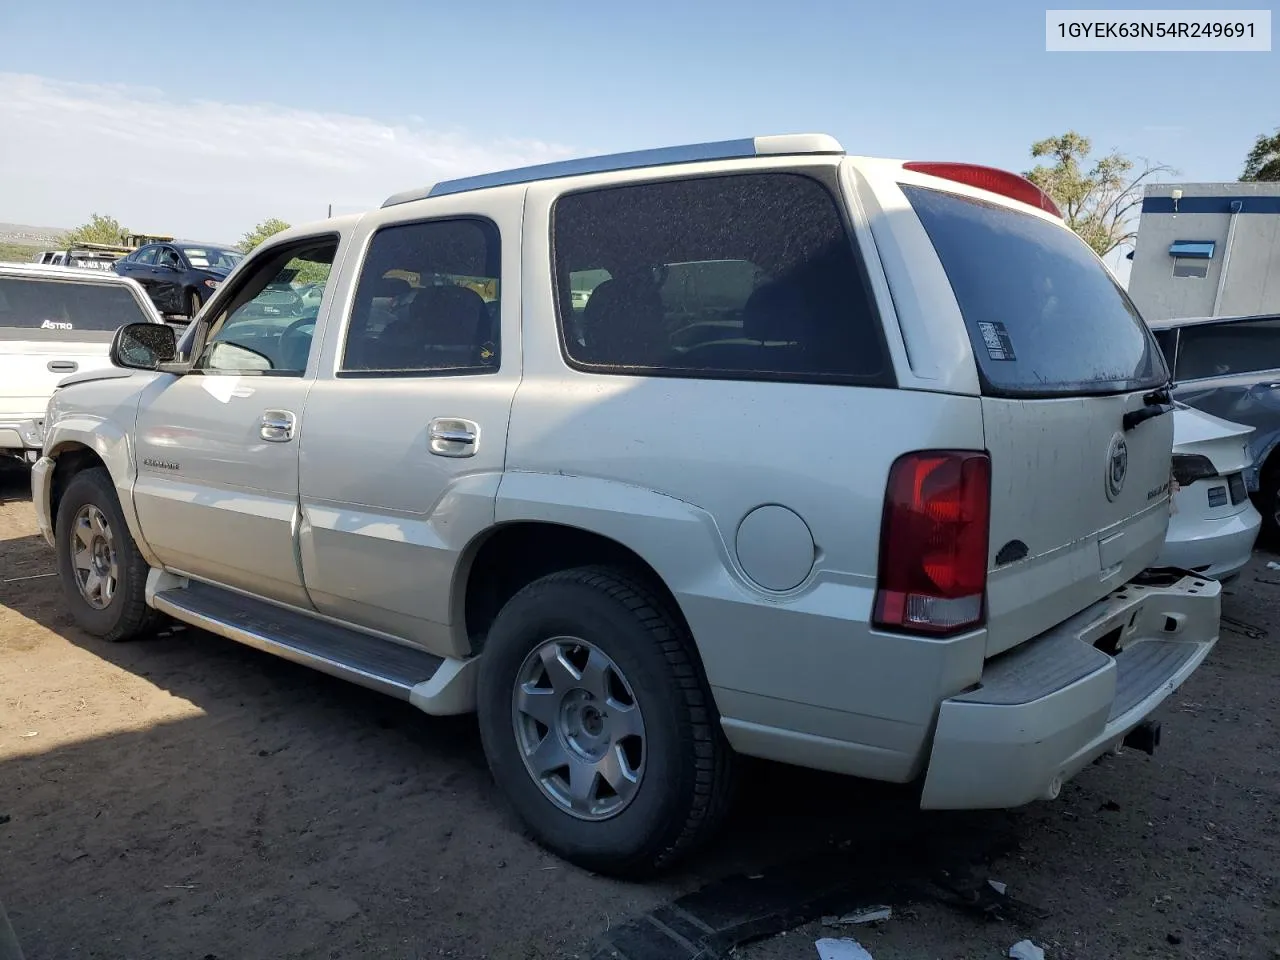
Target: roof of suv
55, 272
797, 143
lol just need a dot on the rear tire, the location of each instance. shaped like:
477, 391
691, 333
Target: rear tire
102, 572
636, 713
193, 303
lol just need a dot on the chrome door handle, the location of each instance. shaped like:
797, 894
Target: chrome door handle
277, 426
450, 437
63, 366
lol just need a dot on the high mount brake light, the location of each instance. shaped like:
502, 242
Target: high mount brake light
988, 178
933, 543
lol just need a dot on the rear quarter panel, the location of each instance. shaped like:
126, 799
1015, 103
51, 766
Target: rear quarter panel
671, 467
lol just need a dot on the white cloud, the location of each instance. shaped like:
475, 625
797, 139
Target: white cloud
211, 170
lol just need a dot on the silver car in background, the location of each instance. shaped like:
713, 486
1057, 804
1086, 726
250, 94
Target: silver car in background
1230, 367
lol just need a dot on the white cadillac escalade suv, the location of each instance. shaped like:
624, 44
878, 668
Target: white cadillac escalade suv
653, 460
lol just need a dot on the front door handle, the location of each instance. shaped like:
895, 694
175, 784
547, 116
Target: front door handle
277, 426
451, 437
63, 366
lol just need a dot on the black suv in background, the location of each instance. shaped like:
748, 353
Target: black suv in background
178, 275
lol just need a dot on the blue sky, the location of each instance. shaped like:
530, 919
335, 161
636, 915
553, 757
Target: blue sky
219, 114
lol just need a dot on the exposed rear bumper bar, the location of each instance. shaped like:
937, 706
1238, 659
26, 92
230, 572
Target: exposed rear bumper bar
21, 433
1050, 706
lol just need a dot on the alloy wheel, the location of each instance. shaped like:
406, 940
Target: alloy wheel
579, 728
93, 557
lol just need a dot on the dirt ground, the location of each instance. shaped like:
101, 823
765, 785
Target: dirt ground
186, 797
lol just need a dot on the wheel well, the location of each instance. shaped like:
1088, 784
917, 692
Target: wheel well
1270, 465
516, 554
69, 462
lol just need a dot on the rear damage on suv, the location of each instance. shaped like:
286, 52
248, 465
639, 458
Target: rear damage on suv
1046, 539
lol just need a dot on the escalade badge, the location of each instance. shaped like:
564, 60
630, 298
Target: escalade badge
1117, 466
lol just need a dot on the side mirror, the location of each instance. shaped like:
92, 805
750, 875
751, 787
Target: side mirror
144, 346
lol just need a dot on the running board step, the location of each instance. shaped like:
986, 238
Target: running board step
382, 665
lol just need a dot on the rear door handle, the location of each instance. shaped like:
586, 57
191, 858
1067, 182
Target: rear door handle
277, 426
451, 437
63, 366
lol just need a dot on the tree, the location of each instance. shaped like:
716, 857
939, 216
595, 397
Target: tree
99, 229
267, 228
1097, 203
1263, 162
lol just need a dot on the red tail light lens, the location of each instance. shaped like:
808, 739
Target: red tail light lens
989, 178
933, 543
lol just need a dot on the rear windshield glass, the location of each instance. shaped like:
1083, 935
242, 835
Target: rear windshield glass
58, 309
1044, 316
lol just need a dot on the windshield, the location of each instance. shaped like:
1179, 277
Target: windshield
58, 309
1043, 314
216, 258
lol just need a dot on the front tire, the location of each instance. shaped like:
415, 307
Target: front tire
193, 303
598, 724
103, 575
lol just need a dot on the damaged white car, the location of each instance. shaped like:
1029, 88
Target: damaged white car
1214, 523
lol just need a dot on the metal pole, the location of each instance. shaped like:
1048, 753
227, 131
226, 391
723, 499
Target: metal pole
1236, 206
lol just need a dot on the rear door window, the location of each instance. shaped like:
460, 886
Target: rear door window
427, 303
1225, 349
750, 276
1044, 316
38, 309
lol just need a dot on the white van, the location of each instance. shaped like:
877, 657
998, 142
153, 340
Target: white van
55, 322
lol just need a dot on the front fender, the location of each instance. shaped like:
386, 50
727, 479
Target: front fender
113, 446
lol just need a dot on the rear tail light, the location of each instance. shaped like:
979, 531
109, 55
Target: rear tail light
989, 178
933, 543
1190, 467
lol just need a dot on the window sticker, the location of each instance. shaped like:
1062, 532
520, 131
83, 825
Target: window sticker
996, 339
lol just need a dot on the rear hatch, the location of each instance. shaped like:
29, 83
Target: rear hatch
52, 328
1075, 421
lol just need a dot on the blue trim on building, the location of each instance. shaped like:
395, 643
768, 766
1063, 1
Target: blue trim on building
1197, 249
1212, 204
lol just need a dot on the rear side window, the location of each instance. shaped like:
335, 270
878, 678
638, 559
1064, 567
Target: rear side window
59, 310
1044, 316
751, 276
1224, 349
427, 303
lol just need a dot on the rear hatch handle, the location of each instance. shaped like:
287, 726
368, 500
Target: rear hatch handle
1155, 404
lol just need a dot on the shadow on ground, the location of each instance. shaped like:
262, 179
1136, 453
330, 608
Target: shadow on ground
288, 813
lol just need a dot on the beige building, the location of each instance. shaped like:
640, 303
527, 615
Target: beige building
1207, 249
